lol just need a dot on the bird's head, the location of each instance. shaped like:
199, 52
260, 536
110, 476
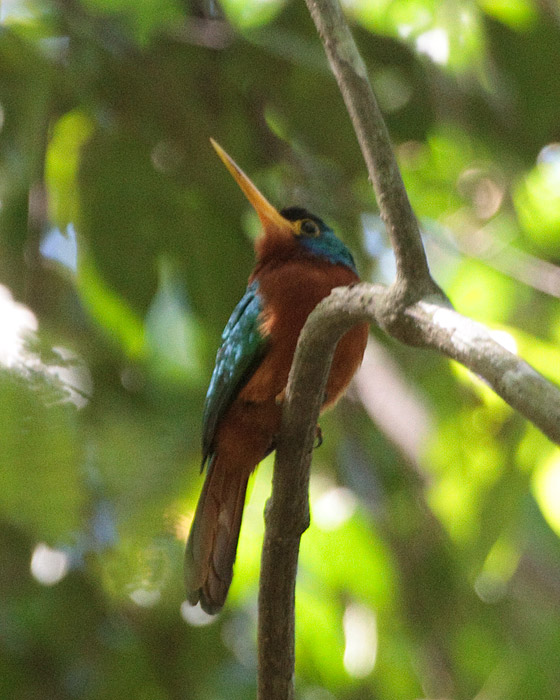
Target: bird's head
290, 230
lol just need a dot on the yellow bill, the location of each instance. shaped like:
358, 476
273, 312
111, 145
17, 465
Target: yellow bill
269, 216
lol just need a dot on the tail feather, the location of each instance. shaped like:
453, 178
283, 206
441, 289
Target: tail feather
212, 543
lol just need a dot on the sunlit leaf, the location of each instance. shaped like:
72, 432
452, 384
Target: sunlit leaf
449, 35
546, 486
111, 311
482, 293
61, 167
537, 200
173, 334
40, 457
247, 14
519, 14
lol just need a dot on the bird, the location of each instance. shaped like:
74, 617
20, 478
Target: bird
299, 260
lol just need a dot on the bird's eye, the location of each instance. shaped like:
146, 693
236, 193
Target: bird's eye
309, 227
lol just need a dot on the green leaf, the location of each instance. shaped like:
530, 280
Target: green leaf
145, 18
40, 457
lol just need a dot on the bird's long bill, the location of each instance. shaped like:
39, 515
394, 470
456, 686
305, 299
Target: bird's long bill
269, 216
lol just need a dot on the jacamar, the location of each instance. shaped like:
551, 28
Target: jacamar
299, 260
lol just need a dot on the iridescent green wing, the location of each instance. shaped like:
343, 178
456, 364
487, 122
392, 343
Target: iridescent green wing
241, 350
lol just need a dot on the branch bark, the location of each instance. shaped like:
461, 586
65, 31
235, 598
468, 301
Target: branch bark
414, 310
351, 74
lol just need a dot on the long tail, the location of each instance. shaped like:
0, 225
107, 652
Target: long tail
212, 543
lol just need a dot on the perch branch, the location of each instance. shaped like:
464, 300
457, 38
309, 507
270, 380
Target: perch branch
413, 310
427, 324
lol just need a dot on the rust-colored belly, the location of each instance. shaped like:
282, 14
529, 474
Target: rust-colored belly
290, 293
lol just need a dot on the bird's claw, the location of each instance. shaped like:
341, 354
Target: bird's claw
318, 437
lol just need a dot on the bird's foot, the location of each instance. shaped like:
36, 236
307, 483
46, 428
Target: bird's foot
318, 437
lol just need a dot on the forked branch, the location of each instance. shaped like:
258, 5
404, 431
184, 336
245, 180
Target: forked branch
413, 310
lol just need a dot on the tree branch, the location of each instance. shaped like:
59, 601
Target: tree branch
426, 324
413, 310
394, 205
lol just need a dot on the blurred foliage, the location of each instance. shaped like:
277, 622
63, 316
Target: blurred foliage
432, 564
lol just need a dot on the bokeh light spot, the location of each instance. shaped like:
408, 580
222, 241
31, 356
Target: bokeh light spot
195, 616
49, 566
360, 634
333, 508
434, 44
546, 486
145, 597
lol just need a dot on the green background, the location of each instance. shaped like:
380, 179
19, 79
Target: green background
432, 566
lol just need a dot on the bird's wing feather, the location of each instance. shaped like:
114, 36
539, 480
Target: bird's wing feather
243, 345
